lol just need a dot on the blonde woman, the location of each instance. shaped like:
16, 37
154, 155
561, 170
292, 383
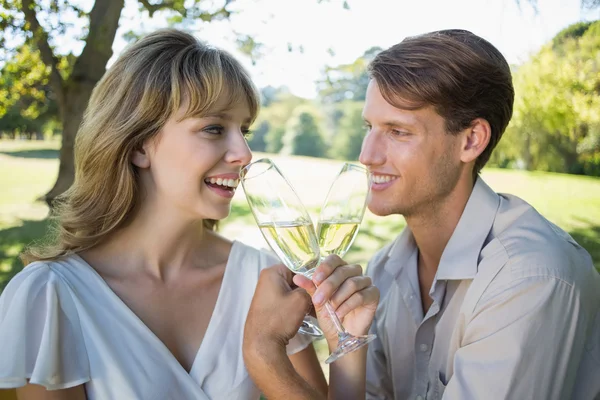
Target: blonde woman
138, 297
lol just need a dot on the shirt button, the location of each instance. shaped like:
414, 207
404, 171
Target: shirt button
423, 347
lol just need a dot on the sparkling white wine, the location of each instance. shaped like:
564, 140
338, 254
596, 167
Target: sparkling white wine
336, 237
294, 243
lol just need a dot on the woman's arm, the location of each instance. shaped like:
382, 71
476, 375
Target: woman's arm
37, 392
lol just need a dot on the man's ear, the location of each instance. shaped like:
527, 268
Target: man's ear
140, 158
475, 140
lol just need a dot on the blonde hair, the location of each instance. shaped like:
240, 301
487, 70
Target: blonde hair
149, 82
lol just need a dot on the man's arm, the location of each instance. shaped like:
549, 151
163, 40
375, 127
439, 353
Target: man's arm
525, 341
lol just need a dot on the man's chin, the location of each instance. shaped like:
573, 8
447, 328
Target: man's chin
379, 210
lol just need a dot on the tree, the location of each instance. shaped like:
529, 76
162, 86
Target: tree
556, 121
27, 103
348, 138
257, 141
348, 81
45, 22
279, 111
585, 4
302, 135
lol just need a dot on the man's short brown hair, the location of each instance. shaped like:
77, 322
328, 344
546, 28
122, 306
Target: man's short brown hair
461, 75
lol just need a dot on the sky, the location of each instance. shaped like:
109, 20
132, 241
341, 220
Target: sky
331, 35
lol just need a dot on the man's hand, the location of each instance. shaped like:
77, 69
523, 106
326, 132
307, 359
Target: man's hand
352, 295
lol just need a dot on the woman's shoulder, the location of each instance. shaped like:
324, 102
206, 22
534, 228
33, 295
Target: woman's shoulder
38, 314
35, 277
262, 258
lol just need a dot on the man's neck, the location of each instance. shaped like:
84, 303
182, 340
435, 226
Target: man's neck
433, 228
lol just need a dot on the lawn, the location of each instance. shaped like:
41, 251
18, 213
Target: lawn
29, 169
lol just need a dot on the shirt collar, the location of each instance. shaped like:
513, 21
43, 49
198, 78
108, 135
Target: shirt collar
461, 255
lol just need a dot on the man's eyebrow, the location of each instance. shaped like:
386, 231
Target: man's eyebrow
397, 123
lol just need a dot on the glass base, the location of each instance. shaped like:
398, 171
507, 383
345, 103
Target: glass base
347, 345
310, 327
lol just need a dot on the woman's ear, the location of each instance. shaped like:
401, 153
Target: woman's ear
140, 158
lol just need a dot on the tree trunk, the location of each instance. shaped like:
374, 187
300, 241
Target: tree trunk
87, 71
76, 101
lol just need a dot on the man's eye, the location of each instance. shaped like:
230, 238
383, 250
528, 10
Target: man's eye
400, 133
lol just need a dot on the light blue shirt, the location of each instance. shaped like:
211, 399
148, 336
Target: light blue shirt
515, 312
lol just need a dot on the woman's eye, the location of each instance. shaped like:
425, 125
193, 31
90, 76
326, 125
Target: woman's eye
214, 130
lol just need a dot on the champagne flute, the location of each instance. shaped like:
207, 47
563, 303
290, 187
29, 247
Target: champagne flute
284, 223
339, 220
288, 229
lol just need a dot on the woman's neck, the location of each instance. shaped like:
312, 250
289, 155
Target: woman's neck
162, 244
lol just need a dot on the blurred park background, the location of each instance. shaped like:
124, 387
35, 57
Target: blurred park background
309, 60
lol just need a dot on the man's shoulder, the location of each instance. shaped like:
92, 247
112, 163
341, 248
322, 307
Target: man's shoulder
536, 248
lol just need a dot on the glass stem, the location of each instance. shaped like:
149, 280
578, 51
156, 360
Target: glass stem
341, 331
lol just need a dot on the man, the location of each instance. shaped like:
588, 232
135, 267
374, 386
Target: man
481, 296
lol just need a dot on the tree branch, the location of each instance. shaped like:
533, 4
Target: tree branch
104, 21
41, 39
152, 8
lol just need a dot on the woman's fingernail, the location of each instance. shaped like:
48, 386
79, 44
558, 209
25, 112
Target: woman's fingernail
318, 277
318, 299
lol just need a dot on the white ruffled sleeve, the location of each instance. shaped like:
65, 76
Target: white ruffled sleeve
40, 333
300, 341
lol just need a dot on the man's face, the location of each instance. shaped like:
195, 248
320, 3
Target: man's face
414, 162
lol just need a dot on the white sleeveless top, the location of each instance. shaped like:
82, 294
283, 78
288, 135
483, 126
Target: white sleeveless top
61, 326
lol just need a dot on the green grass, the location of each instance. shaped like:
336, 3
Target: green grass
29, 170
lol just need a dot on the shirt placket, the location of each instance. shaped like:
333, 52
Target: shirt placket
424, 343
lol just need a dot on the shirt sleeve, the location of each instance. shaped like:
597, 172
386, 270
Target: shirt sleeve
41, 340
524, 341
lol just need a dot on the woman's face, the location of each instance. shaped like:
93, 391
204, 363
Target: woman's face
193, 165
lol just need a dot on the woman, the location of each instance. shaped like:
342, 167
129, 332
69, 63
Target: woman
139, 298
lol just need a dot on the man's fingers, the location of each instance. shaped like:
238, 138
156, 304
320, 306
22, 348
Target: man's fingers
328, 287
348, 288
368, 297
326, 268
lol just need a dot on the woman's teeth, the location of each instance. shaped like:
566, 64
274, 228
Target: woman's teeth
382, 178
232, 183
